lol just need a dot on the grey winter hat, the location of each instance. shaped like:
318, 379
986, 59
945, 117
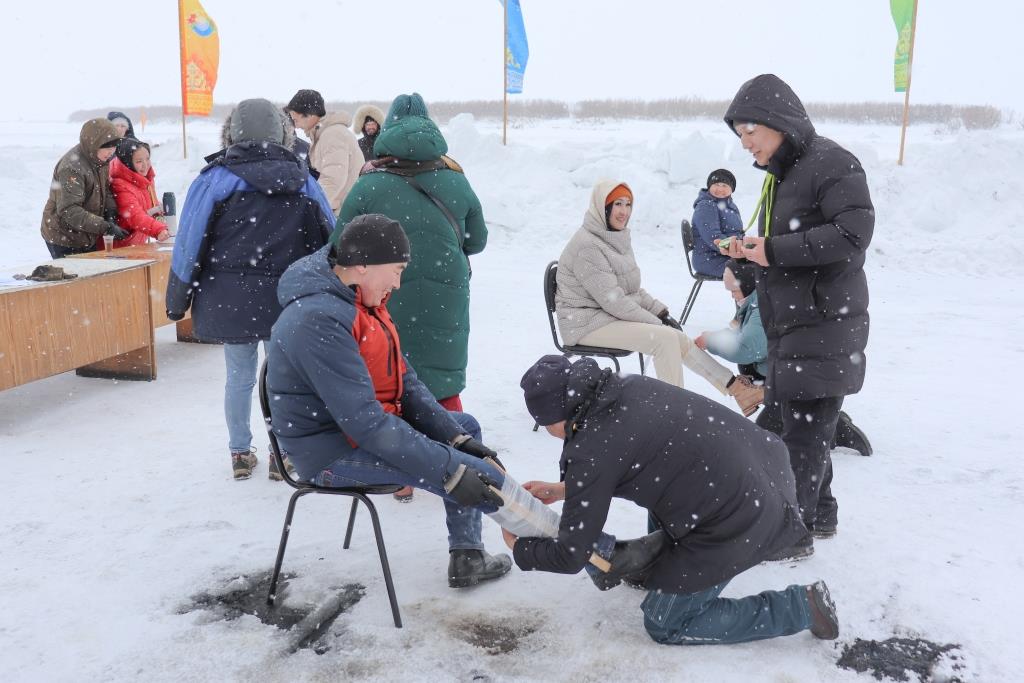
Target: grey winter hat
370, 240
258, 120
307, 102
544, 387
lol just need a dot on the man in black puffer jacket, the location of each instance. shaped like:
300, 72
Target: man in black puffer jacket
719, 486
815, 223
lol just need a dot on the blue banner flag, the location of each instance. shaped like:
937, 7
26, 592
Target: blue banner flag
517, 50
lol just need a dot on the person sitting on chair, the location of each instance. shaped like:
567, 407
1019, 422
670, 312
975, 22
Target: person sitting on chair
745, 343
715, 217
716, 484
349, 410
599, 300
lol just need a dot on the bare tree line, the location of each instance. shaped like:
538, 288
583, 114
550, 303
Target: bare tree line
970, 116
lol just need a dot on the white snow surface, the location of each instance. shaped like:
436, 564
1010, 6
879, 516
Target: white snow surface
118, 501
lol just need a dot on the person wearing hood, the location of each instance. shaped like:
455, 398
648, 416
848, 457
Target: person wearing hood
252, 212
743, 342
81, 207
367, 123
599, 300
715, 217
334, 152
412, 180
719, 487
122, 123
132, 182
815, 222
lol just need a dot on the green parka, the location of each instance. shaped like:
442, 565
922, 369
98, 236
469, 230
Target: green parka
431, 309
80, 190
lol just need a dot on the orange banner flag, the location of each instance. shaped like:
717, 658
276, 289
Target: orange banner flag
200, 57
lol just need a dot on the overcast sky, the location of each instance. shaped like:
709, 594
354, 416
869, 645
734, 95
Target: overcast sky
61, 56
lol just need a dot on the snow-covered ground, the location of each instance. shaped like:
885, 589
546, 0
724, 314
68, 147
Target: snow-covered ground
118, 503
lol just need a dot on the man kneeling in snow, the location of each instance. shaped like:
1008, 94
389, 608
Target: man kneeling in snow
718, 485
350, 411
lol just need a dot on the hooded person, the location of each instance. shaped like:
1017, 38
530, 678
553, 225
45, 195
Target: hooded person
413, 181
599, 300
719, 488
132, 180
814, 227
252, 212
122, 123
334, 152
367, 123
81, 207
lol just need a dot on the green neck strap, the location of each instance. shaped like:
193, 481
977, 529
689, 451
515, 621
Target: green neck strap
766, 200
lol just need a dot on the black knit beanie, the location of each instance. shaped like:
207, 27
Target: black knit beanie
544, 387
307, 102
370, 240
722, 175
126, 147
745, 273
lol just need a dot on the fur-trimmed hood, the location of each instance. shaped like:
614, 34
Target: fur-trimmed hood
373, 111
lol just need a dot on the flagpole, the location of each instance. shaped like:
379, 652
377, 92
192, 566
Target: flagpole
906, 95
181, 46
504, 74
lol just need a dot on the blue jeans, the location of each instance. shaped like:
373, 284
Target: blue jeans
241, 362
699, 618
360, 468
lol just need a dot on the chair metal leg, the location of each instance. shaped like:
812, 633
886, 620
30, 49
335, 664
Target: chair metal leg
385, 567
272, 593
615, 361
351, 522
690, 301
641, 363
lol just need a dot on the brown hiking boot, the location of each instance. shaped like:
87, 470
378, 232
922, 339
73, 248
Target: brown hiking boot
274, 474
242, 463
824, 622
747, 394
404, 495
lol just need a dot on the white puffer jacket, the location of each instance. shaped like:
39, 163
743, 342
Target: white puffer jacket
598, 279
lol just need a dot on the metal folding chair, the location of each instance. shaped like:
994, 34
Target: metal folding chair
698, 278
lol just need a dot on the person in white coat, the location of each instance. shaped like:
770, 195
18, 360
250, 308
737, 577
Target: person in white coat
599, 300
334, 151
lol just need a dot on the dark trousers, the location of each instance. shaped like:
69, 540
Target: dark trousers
807, 428
59, 251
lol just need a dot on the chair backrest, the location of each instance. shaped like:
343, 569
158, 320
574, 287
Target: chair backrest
550, 286
687, 231
275, 449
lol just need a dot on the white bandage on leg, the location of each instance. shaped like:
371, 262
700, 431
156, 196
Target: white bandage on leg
524, 515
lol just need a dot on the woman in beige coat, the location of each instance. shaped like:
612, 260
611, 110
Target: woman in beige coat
599, 300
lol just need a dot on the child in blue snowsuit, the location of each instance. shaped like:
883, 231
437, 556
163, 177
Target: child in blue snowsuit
715, 217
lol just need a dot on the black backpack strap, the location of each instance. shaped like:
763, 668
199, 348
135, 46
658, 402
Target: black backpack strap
459, 236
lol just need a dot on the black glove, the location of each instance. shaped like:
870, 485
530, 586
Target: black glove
666, 319
110, 215
478, 450
117, 231
471, 488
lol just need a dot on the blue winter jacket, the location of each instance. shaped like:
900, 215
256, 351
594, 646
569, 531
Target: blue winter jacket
745, 344
322, 399
252, 212
713, 219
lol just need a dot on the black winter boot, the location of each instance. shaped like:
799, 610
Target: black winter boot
800, 550
849, 435
470, 567
631, 561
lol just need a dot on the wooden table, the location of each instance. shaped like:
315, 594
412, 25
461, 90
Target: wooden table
99, 323
160, 271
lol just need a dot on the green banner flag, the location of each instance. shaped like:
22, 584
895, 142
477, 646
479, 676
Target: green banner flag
903, 15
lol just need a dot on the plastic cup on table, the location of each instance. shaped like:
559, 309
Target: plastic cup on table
108, 245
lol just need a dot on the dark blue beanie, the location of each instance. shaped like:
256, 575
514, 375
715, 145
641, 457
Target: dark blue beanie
545, 386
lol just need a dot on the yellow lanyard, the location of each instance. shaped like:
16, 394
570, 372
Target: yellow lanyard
766, 199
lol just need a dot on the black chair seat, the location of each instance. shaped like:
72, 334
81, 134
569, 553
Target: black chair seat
582, 350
